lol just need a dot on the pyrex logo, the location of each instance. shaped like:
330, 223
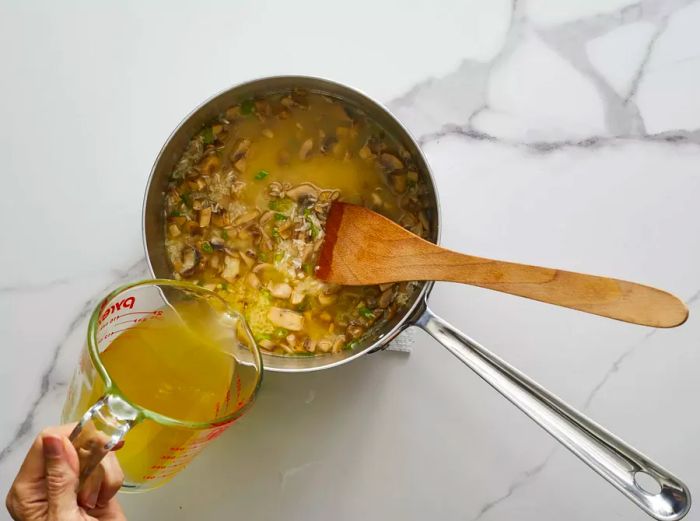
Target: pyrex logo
127, 303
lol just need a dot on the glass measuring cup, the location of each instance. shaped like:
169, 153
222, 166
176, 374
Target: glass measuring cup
159, 444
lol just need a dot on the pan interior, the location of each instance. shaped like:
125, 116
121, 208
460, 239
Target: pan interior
153, 212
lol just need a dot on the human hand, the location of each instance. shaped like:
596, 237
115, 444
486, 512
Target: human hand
46, 486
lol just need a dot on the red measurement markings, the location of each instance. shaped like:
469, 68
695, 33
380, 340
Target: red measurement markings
111, 334
112, 321
215, 433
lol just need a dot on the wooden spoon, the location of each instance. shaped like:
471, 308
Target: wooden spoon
362, 247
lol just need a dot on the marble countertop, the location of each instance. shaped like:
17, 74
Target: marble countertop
563, 134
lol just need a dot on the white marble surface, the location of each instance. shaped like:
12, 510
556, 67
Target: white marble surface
560, 133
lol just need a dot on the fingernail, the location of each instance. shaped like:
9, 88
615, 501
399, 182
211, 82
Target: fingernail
52, 446
92, 499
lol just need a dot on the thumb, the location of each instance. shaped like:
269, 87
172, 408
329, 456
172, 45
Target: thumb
61, 479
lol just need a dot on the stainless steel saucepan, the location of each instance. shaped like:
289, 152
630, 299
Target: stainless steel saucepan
649, 486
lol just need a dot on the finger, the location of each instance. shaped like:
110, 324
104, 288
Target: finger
87, 496
111, 512
61, 479
113, 479
33, 467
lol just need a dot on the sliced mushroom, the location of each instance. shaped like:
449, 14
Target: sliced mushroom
232, 267
248, 257
281, 290
209, 164
326, 300
246, 217
305, 149
240, 150
354, 331
303, 192
204, 217
291, 340
262, 266
253, 280
398, 181
423, 218
386, 298
325, 345
217, 243
286, 318
240, 165
190, 259
266, 217
309, 344
390, 162
266, 344
174, 230
297, 296
365, 152
338, 344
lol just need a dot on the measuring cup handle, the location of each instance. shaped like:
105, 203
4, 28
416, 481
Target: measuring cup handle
100, 429
621, 465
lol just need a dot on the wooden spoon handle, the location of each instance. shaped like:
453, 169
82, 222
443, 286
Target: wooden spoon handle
607, 297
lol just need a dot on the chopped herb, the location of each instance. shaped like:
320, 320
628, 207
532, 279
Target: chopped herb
366, 312
175, 213
263, 256
208, 136
307, 211
412, 184
303, 306
262, 175
263, 336
279, 256
266, 293
350, 345
308, 268
224, 286
280, 217
224, 235
314, 229
302, 353
281, 205
280, 332
185, 198
247, 107
275, 233
207, 247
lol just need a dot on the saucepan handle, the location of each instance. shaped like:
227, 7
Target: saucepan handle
621, 465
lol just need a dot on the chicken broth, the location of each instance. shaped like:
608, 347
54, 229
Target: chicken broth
246, 208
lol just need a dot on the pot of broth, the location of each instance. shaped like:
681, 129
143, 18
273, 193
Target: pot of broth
237, 202
237, 199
